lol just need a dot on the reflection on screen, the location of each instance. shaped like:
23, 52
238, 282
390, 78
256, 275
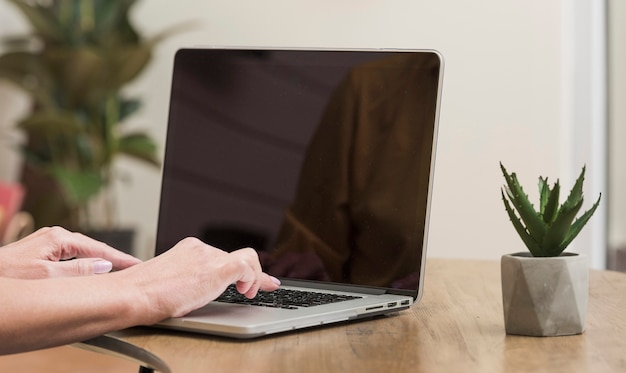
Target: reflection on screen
319, 160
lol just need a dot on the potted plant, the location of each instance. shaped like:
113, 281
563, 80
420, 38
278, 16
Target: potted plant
545, 290
74, 65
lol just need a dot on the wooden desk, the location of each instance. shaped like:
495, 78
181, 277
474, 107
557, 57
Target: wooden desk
458, 326
63, 360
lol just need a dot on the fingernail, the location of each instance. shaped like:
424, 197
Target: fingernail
102, 266
275, 280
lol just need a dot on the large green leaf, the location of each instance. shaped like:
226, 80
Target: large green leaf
112, 24
17, 42
127, 62
129, 59
41, 18
127, 107
139, 146
60, 139
28, 71
83, 74
51, 124
79, 186
109, 13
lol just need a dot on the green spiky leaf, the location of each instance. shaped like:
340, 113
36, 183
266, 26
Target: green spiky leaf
580, 223
551, 206
557, 231
532, 245
525, 209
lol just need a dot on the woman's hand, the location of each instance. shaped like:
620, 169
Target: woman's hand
47, 252
192, 273
71, 305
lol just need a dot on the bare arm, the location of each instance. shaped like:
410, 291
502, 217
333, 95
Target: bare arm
53, 311
50, 312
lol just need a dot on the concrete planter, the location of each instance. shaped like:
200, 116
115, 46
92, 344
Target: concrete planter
544, 297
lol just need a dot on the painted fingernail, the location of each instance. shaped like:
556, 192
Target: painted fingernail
102, 266
275, 280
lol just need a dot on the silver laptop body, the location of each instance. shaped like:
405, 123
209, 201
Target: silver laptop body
322, 160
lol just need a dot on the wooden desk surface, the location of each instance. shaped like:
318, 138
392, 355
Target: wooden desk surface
63, 360
458, 326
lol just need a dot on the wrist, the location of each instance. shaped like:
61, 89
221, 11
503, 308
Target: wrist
141, 296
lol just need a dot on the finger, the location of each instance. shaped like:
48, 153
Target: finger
62, 244
80, 246
268, 283
249, 279
246, 282
80, 267
264, 282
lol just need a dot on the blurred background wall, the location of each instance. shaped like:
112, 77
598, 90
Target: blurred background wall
524, 84
617, 133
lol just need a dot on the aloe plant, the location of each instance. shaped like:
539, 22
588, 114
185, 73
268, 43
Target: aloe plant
74, 64
548, 231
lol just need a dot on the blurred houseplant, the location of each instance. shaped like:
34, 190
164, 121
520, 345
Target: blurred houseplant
73, 65
545, 290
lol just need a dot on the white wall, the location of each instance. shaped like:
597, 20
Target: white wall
13, 103
504, 93
617, 116
584, 125
617, 129
502, 88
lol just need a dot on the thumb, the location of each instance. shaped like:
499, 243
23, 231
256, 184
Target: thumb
82, 267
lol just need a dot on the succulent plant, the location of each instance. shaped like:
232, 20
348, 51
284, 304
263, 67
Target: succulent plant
547, 232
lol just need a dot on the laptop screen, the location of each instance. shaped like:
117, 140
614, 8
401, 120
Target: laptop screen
320, 160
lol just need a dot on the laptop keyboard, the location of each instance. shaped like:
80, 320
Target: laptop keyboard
283, 298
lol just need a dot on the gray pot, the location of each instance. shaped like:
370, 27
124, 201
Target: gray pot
544, 296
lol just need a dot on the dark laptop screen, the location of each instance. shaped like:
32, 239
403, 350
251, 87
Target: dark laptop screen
320, 160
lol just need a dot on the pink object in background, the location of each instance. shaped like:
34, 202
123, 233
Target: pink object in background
11, 197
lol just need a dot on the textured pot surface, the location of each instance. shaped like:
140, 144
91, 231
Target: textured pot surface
544, 296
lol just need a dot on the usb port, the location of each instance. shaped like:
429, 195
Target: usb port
404, 303
392, 304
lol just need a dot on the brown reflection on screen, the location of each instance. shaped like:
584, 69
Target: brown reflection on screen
318, 160
358, 214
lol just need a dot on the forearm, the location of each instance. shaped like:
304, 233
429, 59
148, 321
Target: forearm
44, 313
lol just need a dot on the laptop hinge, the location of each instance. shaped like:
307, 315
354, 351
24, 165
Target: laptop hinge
333, 286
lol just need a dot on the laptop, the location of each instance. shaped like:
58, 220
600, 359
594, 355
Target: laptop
321, 160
